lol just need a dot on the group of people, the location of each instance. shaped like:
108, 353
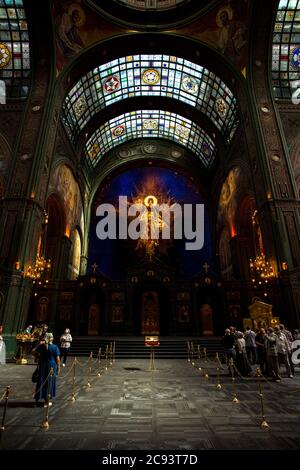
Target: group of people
267, 348
49, 357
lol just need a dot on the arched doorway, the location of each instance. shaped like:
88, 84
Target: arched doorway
93, 312
151, 309
210, 311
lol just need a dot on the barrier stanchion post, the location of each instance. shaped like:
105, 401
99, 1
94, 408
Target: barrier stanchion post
114, 352
111, 354
7, 391
99, 363
199, 358
152, 359
73, 397
89, 370
192, 354
219, 385
234, 395
264, 424
188, 351
205, 363
45, 423
106, 357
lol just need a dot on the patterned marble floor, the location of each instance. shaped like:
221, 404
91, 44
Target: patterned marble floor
129, 407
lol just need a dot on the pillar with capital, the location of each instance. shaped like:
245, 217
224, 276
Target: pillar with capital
22, 208
278, 202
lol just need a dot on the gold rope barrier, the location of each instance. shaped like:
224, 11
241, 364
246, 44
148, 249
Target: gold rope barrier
205, 363
106, 357
99, 363
111, 354
188, 351
192, 353
68, 373
152, 359
199, 358
219, 385
5, 396
89, 370
263, 424
234, 395
73, 397
45, 423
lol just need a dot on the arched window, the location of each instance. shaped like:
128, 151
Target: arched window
159, 124
286, 49
14, 49
151, 75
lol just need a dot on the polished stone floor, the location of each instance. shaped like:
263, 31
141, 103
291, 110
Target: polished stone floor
129, 407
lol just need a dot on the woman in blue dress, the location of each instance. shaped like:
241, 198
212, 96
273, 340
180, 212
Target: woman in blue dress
48, 358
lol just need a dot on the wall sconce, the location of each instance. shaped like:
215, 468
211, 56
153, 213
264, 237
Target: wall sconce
284, 266
17, 265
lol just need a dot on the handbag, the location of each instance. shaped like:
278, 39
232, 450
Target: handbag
35, 376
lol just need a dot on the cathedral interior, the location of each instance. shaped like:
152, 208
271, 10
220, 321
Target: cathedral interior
175, 102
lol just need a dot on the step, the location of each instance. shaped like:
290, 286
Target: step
134, 347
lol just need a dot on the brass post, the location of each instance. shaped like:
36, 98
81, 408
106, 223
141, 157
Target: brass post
72, 397
111, 354
114, 352
234, 395
5, 408
45, 423
188, 351
22, 360
89, 370
106, 357
152, 359
192, 354
199, 358
205, 362
99, 363
218, 386
264, 424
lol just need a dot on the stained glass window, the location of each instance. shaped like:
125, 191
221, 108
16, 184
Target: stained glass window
286, 48
14, 48
151, 75
156, 124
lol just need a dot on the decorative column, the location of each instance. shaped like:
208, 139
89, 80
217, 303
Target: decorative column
22, 207
278, 209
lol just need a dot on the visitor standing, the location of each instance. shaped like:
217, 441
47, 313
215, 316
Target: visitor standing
65, 345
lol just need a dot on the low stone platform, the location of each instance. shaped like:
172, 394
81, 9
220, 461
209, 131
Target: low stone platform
129, 407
